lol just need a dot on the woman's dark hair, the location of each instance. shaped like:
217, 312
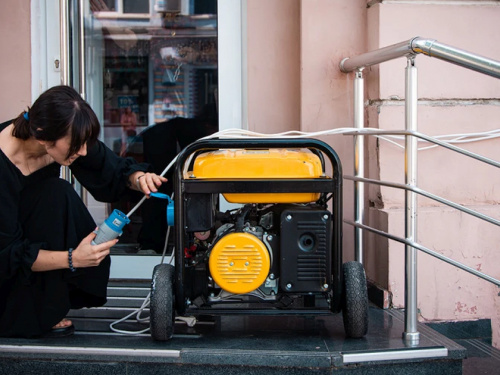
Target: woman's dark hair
59, 111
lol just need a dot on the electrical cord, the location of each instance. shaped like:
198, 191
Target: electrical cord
448, 138
146, 302
242, 133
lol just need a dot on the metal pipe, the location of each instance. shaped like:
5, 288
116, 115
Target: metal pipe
428, 139
428, 47
432, 48
359, 164
350, 64
427, 251
91, 351
430, 196
411, 333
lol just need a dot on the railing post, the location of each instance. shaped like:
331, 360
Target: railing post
411, 334
359, 164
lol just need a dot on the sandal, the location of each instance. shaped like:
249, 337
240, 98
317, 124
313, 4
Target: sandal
60, 330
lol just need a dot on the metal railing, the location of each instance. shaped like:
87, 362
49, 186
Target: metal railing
409, 49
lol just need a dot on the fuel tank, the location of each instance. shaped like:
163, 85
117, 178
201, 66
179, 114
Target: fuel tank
260, 164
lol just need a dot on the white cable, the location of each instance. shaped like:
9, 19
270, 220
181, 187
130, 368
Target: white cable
190, 321
241, 134
146, 301
453, 138
138, 312
145, 196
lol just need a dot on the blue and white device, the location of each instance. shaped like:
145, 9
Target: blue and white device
111, 228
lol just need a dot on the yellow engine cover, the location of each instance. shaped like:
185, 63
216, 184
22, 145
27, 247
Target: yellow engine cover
260, 164
239, 263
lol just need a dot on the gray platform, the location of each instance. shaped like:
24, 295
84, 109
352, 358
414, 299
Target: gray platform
231, 345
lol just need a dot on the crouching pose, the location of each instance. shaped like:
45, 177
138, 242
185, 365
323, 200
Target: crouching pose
48, 264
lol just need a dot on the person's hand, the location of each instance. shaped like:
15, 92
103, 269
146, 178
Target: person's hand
88, 255
148, 183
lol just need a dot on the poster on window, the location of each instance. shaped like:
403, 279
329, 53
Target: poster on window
125, 101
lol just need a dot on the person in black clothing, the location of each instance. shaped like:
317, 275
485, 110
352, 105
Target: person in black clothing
48, 264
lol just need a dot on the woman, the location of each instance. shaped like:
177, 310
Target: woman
47, 262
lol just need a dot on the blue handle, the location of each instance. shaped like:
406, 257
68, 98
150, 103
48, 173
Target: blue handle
160, 195
170, 206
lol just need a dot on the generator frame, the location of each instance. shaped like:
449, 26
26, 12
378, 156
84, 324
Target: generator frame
326, 184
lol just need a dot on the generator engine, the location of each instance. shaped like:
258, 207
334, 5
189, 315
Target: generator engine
246, 255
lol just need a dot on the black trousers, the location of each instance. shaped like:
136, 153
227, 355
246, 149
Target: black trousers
52, 212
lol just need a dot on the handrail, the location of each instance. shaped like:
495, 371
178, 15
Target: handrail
428, 47
367, 131
409, 49
427, 251
426, 194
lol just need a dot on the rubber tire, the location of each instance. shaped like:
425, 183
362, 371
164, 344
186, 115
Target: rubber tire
355, 301
162, 314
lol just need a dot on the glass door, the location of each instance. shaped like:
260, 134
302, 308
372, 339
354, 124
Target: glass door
151, 75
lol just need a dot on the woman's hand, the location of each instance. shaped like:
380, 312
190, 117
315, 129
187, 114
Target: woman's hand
146, 182
88, 255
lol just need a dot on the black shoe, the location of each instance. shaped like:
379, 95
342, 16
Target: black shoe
59, 332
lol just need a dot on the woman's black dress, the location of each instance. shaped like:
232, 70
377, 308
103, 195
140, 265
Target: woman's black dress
43, 211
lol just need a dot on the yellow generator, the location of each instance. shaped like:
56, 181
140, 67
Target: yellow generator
276, 247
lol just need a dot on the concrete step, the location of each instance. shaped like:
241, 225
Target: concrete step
229, 345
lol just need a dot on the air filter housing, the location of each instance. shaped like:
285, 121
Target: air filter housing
239, 263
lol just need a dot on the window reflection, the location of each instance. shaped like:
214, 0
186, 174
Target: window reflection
159, 90
135, 6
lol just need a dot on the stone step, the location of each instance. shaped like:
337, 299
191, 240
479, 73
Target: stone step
228, 344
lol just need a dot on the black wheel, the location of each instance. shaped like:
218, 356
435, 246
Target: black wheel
162, 315
355, 301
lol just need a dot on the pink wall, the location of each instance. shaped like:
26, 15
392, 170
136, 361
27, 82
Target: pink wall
273, 65
326, 93
15, 79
